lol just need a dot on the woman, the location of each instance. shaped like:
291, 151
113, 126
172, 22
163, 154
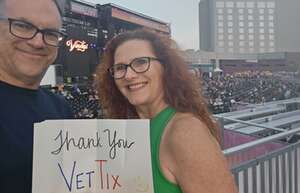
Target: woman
143, 76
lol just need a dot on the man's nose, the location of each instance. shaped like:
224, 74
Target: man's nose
37, 41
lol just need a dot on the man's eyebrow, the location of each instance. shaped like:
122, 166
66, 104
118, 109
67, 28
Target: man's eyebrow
22, 19
30, 22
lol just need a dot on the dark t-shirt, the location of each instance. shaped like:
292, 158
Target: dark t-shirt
19, 109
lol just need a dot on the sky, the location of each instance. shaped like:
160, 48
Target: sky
182, 15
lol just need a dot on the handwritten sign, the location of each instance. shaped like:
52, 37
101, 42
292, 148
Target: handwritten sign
92, 156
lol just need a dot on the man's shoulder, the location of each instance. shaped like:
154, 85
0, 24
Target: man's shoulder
56, 101
47, 93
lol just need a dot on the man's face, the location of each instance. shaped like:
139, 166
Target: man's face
24, 62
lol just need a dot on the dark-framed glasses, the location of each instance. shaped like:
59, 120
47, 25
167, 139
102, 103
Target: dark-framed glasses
138, 65
26, 30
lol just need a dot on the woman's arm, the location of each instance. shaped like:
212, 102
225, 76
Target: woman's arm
197, 162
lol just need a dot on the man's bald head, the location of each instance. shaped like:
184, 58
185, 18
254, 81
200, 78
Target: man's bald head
1, 7
59, 4
23, 61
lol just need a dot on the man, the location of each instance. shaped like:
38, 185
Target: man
29, 43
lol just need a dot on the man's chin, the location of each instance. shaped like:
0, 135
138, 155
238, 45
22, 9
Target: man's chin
31, 77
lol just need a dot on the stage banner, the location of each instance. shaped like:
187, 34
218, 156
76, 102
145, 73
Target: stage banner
92, 156
78, 54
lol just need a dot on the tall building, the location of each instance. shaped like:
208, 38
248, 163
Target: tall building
249, 26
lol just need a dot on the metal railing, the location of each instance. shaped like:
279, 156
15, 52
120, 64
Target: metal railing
275, 172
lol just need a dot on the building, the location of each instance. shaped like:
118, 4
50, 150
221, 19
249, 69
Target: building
274, 62
249, 26
89, 26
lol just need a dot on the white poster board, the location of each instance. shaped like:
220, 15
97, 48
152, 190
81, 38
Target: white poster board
92, 156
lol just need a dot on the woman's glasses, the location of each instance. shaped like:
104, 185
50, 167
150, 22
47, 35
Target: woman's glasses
138, 65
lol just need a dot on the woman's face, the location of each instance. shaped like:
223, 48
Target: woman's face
142, 89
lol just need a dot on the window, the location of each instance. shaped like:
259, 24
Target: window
229, 11
221, 37
271, 50
230, 24
261, 11
220, 11
240, 4
251, 50
271, 17
261, 24
220, 17
241, 43
221, 44
220, 30
251, 44
241, 24
220, 49
230, 37
230, 50
261, 37
250, 17
220, 24
271, 37
241, 11
250, 4
262, 44
250, 24
230, 30
250, 11
271, 24
251, 37
261, 30
261, 4
271, 11
230, 4
241, 37
230, 43
229, 17
241, 30
271, 44
241, 17
271, 31
261, 17
271, 4
220, 4
251, 30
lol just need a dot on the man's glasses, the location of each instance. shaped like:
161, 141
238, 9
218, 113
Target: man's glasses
138, 65
26, 30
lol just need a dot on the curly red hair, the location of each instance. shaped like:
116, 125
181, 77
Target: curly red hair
181, 90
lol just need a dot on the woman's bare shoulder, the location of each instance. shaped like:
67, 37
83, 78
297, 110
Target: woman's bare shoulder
186, 130
186, 124
197, 161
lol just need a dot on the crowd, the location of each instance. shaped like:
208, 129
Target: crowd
224, 93
82, 100
135, 80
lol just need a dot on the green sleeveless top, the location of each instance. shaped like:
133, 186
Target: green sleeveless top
157, 126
